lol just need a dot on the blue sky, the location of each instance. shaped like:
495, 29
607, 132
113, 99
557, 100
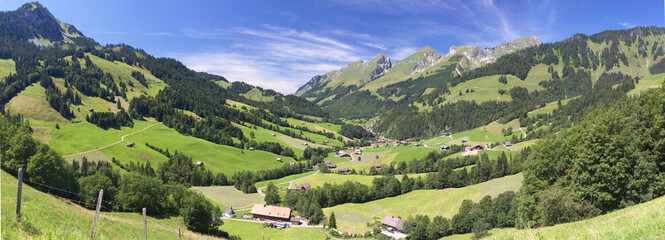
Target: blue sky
282, 44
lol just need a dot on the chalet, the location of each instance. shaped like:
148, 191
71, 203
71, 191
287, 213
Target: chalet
393, 223
325, 141
446, 134
343, 154
159, 81
199, 163
272, 134
229, 213
292, 164
302, 123
507, 144
304, 186
358, 152
464, 140
327, 162
344, 170
279, 159
304, 143
444, 148
251, 149
330, 165
91, 110
129, 145
378, 165
477, 147
417, 145
295, 220
268, 212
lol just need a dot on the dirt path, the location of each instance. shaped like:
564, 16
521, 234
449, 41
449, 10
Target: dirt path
260, 191
121, 139
523, 133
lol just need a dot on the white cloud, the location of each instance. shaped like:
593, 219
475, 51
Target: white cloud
401, 53
627, 24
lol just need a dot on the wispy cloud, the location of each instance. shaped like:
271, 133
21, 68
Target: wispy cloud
627, 24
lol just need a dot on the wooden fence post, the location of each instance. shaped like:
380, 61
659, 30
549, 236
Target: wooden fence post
145, 227
99, 205
179, 233
18, 193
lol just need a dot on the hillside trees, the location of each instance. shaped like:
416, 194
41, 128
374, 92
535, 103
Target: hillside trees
272, 196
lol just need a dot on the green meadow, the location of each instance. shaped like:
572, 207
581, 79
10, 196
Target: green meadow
7, 66
353, 217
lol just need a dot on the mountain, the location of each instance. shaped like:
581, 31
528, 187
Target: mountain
35, 23
338, 87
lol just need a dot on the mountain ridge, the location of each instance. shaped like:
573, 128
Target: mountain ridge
33, 22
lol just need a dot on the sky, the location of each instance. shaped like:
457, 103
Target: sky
281, 45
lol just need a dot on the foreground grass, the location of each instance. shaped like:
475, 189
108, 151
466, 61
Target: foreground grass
354, 217
247, 230
642, 221
47, 217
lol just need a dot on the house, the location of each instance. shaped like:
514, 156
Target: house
304, 143
295, 220
199, 163
378, 165
393, 223
343, 154
358, 152
327, 162
229, 213
268, 212
292, 164
251, 149
477, 147
272, 134
464, 140
304, 186
344, 170
446, 134
91, 110
159, 81
330, 165
417, 145
325, 141
279, 159
302, 123
129, 145
507, 144
444, 148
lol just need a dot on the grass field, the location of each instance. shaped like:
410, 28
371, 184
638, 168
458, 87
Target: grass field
247, 230
256, 95
46, 217
653, 81
642, 221
7, 66
353, 217
229, 196
284, 179
31, 103
477, 135
333, 178
123, 72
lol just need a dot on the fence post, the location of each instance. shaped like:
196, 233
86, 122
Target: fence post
145, 227
18, 193
178, 233
99, 205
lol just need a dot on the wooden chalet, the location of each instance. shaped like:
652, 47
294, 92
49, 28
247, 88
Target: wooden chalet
304, 186
343, 154
393, 223
279, 159
129, 145
199, 163
229, 213
444, 148
378, 165
268, 212
292, 163
507, 144
344, 170
330, 165
477, 147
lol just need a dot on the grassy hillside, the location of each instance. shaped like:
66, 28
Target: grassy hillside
7, 66
247, 230
642, 221
47, 217
353, 217
229, 196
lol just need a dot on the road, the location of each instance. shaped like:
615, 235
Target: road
523, 133
260, 191
121, 139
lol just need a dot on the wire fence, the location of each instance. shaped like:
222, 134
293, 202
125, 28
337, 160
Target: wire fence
83, 201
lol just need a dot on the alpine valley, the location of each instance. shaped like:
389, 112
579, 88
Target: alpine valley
523, 140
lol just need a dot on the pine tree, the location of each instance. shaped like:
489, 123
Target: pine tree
332, 222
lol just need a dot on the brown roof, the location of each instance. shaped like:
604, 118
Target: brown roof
304, 186
393, 222
329, 165
271, 211
344, 170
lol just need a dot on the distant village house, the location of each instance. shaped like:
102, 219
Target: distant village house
229, 213
268, 212
304, 186
393, 223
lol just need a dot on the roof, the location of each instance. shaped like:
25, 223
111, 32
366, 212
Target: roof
271, 211
228, 210
393, 222
304, 186
344, 170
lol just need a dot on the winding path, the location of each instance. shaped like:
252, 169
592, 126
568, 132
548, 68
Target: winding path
121, 139
260, 191
523, 133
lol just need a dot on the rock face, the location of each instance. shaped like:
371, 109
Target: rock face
381, 64
35, 23
477, 58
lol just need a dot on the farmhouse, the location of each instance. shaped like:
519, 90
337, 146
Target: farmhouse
476, 147
91, 109
292, 163
279, 159
393, 223
343, 154
129, 145
304, 186
507, 144
330, 165
268, 212
199, 163
272, 134
344, 170
304, 143
444, 148
446, 134
378, 165
251, 149
229, 213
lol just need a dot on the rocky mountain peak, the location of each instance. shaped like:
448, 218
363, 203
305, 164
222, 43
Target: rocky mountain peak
35, 23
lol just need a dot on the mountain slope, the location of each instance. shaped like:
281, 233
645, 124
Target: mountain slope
35, 23
340, 89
